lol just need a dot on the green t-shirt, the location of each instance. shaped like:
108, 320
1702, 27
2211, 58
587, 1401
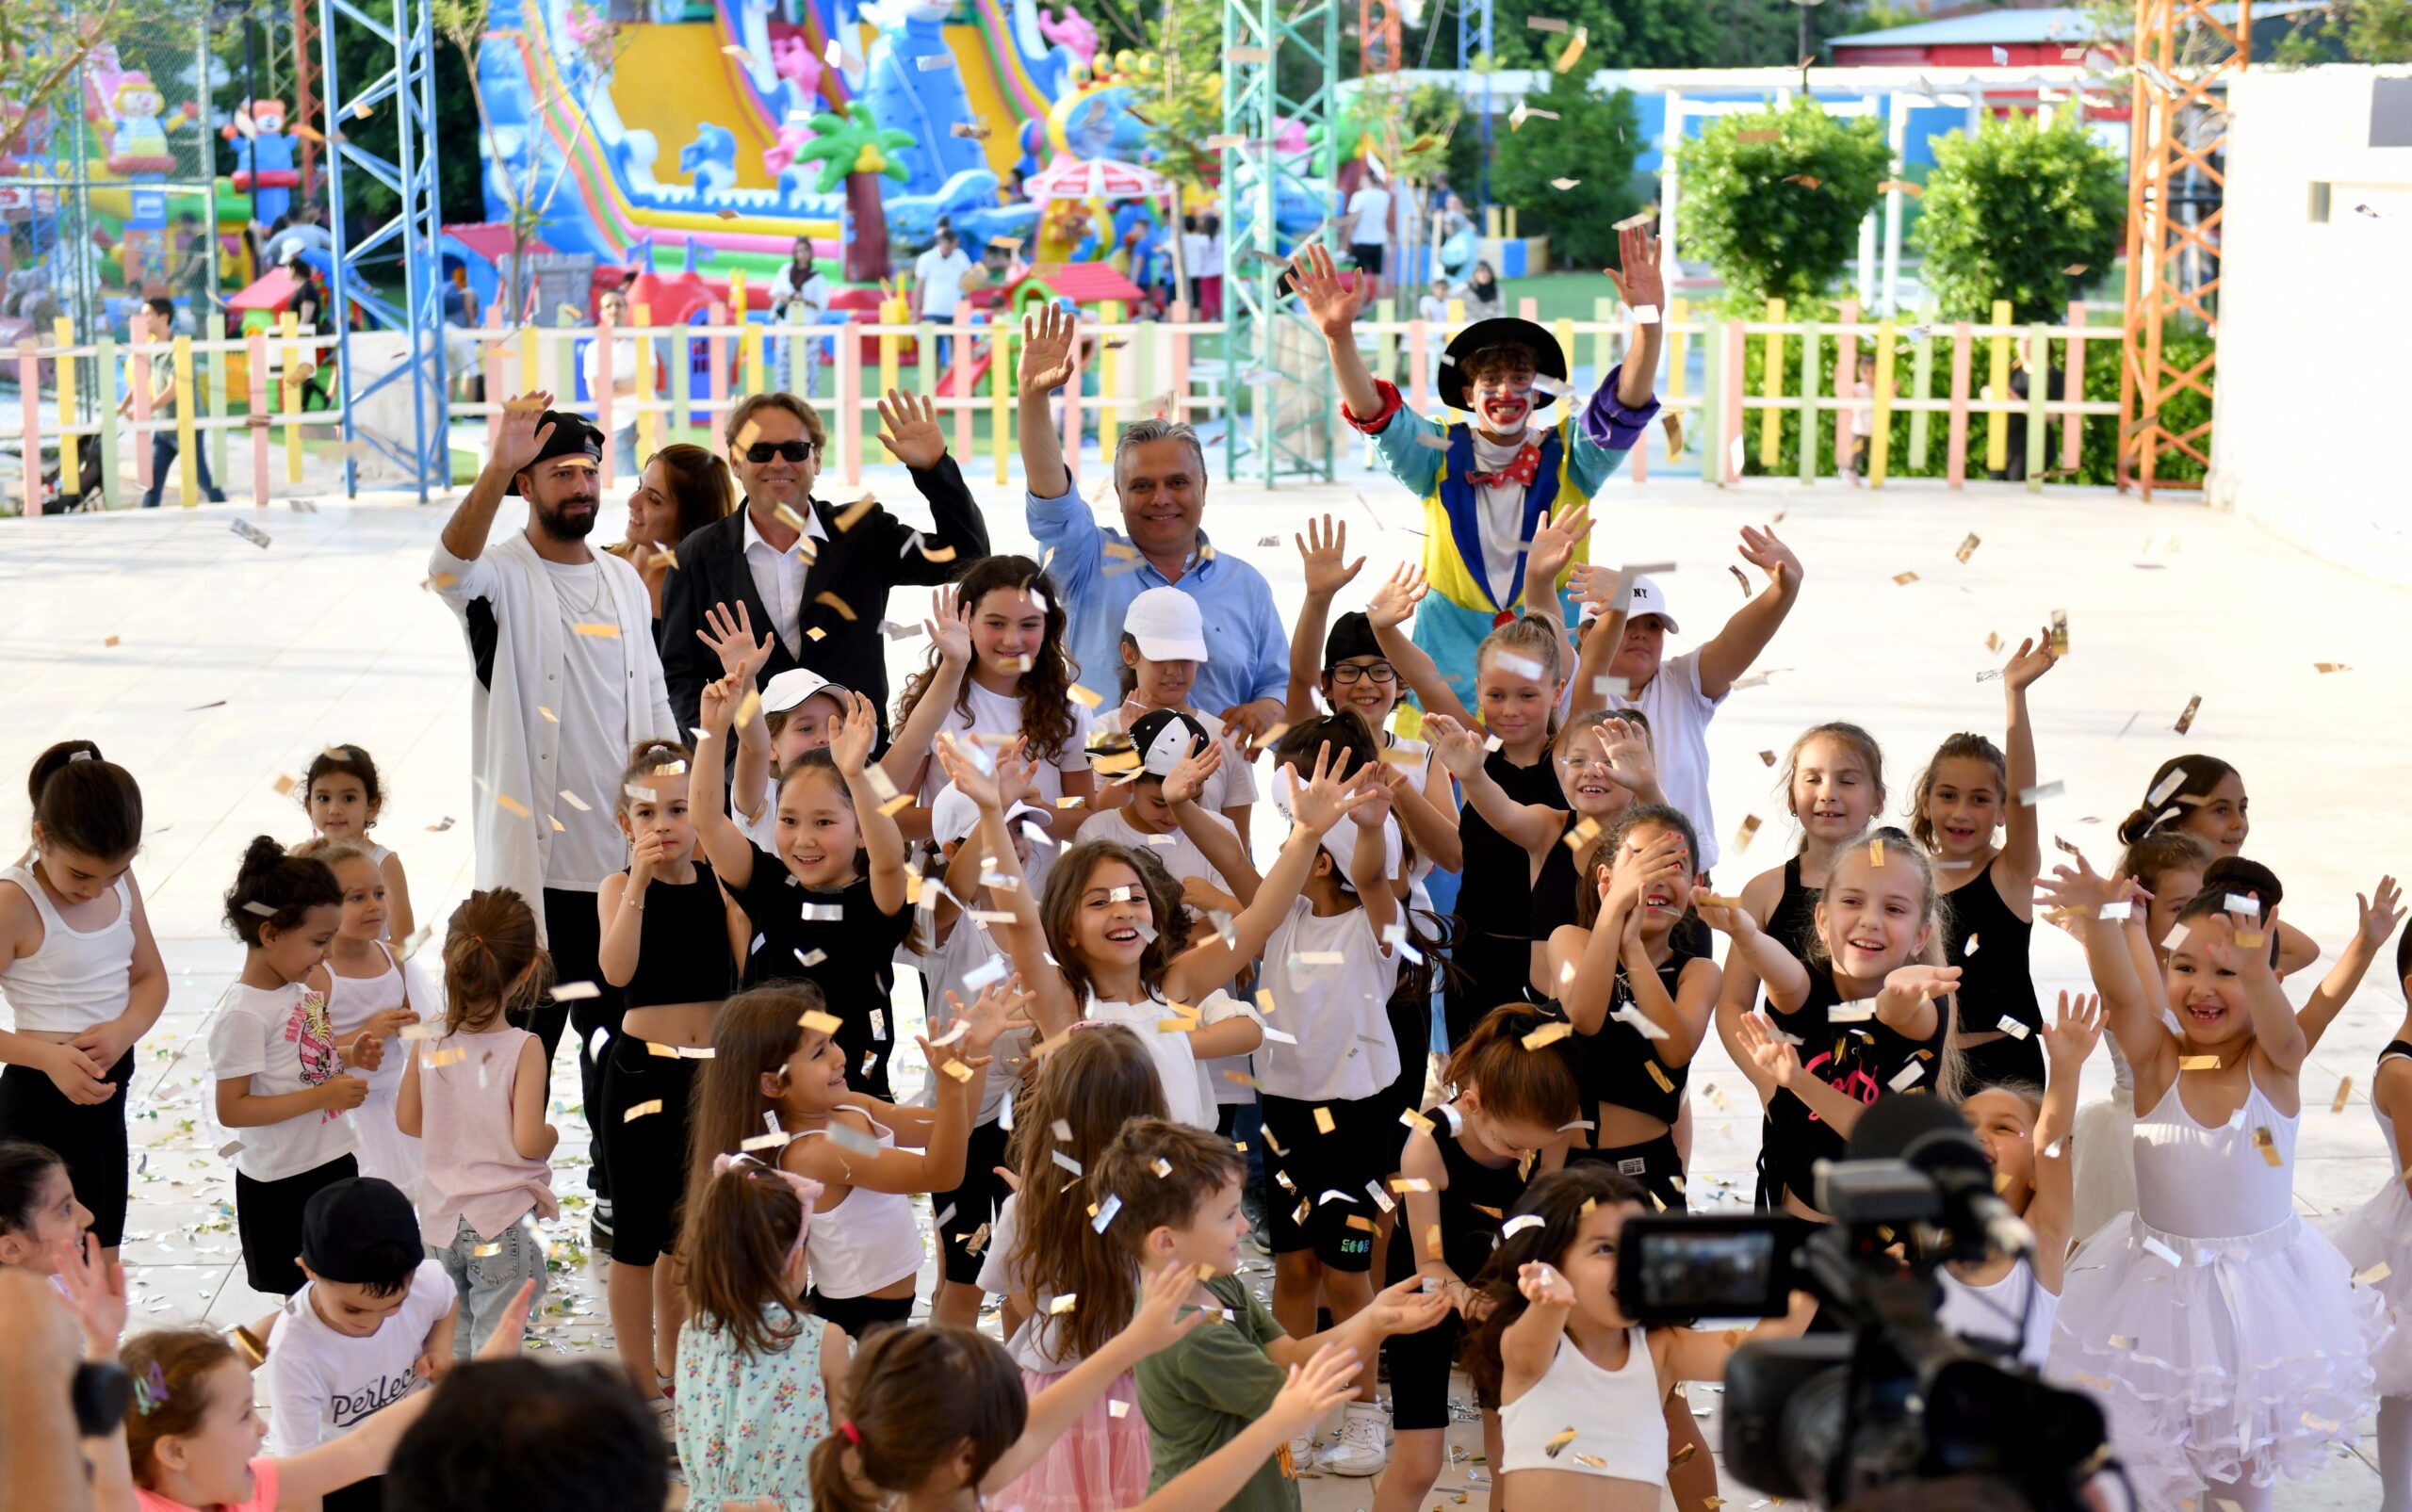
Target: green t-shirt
1198, 1394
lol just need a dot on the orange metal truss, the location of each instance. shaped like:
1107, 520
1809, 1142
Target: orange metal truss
1378, 37
305, 94
2184, 56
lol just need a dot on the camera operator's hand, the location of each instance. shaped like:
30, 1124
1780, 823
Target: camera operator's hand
1542, 1286
2071, 1038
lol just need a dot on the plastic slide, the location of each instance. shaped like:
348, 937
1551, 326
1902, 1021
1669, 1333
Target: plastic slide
674, 78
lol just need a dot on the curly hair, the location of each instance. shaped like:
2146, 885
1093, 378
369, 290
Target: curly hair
1045, 687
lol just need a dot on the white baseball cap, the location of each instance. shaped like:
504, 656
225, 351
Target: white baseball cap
1166, 624
953, 817
1644, 598
792, 686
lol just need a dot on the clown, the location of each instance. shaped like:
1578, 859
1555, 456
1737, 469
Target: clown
1488, 483
265, 159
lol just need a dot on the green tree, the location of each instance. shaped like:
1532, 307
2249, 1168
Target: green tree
1592, 143
2009, 212
855, 149
1773, 200
2355, 31
1627, 33
460, 188
1183, 105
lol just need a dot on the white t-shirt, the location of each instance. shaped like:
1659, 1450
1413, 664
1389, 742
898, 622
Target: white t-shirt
1370, 210
1339, 1013
1000, 714
1182, 858
283, 1042
321, 1384
1233, 782
1679, 713
1415, 758
1188, 1096
591, 704
969, 946
1501, 520
940, 276
623, 376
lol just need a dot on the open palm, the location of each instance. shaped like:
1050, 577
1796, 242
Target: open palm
1332, 299
1050, 350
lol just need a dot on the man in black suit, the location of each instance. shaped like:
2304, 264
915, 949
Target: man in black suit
794, 560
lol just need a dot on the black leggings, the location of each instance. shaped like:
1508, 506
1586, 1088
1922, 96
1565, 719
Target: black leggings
860, 1316
573, 936
89, 1137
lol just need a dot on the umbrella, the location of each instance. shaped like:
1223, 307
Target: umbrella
1096, 178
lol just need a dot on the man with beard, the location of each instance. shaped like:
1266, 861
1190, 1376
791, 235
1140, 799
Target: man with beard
568, 683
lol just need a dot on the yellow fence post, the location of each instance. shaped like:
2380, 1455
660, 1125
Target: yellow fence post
750, 347
1771, 387
70, 462
1109, 375
1880, 444
1675, 314
288, 325
187, 453
648, 420
1001, 415
1998, 391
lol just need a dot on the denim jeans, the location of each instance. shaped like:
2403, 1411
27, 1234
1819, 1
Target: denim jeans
163, 463
487, 1275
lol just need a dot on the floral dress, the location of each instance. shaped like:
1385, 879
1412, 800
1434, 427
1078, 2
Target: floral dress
747, 1421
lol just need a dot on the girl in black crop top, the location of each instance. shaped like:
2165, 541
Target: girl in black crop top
1639, 1001
1869, 1017
1967, 796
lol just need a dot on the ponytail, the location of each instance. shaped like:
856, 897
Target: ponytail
918, 1395
274, 890
744, 1225
488, 949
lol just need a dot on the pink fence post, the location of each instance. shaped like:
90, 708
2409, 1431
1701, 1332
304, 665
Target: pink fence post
489, 353
1072, 413
1956, 439
138, 382
605, 379
1419, 365
962, 344
716, 354
1528, 308
29, 384
1737, 334
1179, 363
1846, 380
256, 355
2073, 389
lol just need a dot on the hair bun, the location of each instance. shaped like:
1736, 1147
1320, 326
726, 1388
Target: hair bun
262, 855
2135, 826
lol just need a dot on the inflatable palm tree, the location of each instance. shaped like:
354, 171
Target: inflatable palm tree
856, 149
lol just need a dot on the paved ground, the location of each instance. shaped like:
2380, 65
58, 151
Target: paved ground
211, 667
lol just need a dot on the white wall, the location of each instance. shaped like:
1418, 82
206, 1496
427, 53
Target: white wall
2312, 433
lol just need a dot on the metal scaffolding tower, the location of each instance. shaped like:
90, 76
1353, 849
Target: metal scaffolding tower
406, 243
1272, 353
2177, 176
1475, 53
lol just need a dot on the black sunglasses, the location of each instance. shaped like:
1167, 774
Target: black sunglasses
762, 451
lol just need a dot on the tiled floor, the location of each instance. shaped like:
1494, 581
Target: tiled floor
211, 667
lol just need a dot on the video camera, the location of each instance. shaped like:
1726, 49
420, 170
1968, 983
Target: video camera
1889, 1396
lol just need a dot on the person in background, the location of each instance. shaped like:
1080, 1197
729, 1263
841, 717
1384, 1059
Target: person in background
799, 296
938, 286
682, 489
612, 311
1369, 234
155, 321
1485, 299
1209, 270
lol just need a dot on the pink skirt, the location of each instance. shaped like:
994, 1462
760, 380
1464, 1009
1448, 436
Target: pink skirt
1102, 1461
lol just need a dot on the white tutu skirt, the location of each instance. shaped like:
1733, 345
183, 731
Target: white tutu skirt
2102, 1151
385, 1151
2218, 1359
2381, 1230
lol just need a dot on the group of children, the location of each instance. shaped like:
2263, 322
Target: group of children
1142, 1044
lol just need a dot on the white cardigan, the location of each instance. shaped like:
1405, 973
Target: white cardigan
508, 738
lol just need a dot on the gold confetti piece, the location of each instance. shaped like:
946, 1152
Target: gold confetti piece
1876, 850
1057, 1306
1415, 1120
2198, 1062
896, 804
1752, 139
2059, 633
2186, 719
1323, 1123
284, 785
1572, 51
1582, 834
1807, 181
2075, 271
1357, 1220
826, 1023
601, 633
445, 1057
1557, 1443
1548, 1034
2316, 666
1901, 186
957, 1070
844, 612
1742, 836
1968, 547
641, 1110
2376, 1273
512, 805
1545, 24
1905, 578
1658, 1076
2344, 1087
2268, 1144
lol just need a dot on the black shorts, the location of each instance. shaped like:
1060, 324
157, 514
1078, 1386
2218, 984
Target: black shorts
1420, 1366
975, 1202
89, 1137
1367, 257
1653, 1162
648, 1154
1354, 1153
2006, 1059
860, 1316
267, 1218
1411, 1031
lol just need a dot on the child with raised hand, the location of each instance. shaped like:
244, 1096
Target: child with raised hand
1044, 1245
1488, 482
2204, 797
1559, 1352
81, 973
281, 1084
777, 1079
344, 797
937, 1422
2379, 1232
2259, 1343
1464, 1167
1356, 677
829, 904
1163, 644
1519, 675
1855, 1021
476, 1098
1638, 995
1110, 939
2009, 1300
194, 1439
1176, 1200
669, 939
1020, 684
368, 989
1969, 792
757, 1369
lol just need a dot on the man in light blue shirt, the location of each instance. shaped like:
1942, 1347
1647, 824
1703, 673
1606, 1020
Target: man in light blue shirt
1160, 476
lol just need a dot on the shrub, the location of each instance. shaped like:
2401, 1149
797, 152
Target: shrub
1773, 200
2009, 210
1592, 141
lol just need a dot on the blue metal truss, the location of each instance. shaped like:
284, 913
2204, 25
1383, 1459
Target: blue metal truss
1475, 43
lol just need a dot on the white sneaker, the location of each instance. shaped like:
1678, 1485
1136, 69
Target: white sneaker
1361, 1449
665, 1419
1302, 1455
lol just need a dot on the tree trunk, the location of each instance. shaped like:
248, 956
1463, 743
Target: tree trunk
867, 253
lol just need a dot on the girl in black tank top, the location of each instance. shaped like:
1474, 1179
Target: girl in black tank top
1493, 954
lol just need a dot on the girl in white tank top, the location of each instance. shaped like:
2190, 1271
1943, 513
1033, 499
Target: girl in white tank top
366, 988
1582, 1388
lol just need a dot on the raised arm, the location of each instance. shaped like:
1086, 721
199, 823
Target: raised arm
1554, 542
1598, 644
724, 845
2022, 851
1220, 846
1529, 1344
1429, 823
909, 749
2131, 1006
1313, 1389
2379, 916
1157, 1325
1050, 358
1324, 553
1730, 651
1333, 300
730, 639
1773, 1065
1642, 287
1392, 603
897, 1168
516, 444
1369, 866
1533, 826
958, 531
2067, 1041
1785, 977
1906, 1004
851, 735
1052, 1005
2243, 948
1315, 807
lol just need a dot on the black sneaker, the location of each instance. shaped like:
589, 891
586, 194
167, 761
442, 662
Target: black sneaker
602, 1224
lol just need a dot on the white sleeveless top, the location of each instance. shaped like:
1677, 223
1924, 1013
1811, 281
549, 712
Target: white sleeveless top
2211, 1182
1616, 1416
866, 1242
351, 1002
1997, 1312
74, 980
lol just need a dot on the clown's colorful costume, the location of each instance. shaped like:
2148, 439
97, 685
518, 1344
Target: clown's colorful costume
1482, 501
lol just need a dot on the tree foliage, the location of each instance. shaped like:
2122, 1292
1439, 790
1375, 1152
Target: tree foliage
1593, 143
1773, 200
2009, 211
1183, 104
2355, 31
1627, 33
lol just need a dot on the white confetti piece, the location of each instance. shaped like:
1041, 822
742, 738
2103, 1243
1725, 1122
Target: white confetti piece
1520, 1223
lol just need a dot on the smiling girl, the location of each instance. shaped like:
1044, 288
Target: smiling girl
368, 990
81, 973
345, 797
1163, 644
2204, 797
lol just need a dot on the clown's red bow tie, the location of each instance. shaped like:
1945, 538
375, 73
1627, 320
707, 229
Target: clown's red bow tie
1521, 471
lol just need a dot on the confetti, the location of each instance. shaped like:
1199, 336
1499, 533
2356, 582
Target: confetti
1750, 827
1901, 186
2155, 1246
1752, 138
2011, 1027
641, 1110
1057, 1306
2198, 1062
1557, 1443
2316, 666
2031, 796
2344, 1088
1905, 578
1545, 24
249, 533
228, 1150
1807, 181
512, 805
1851, 1013
599, 631
1563, 184
1906, 1076
2268, 1144
2376, 1273
1415, 1120
2186, 719
933, 62
1323, 1123
1519, 1223
575, 991
2059, 633
826, 1023
1548, 1034
1572, 51
1968, 547
2167, 785
824, 913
